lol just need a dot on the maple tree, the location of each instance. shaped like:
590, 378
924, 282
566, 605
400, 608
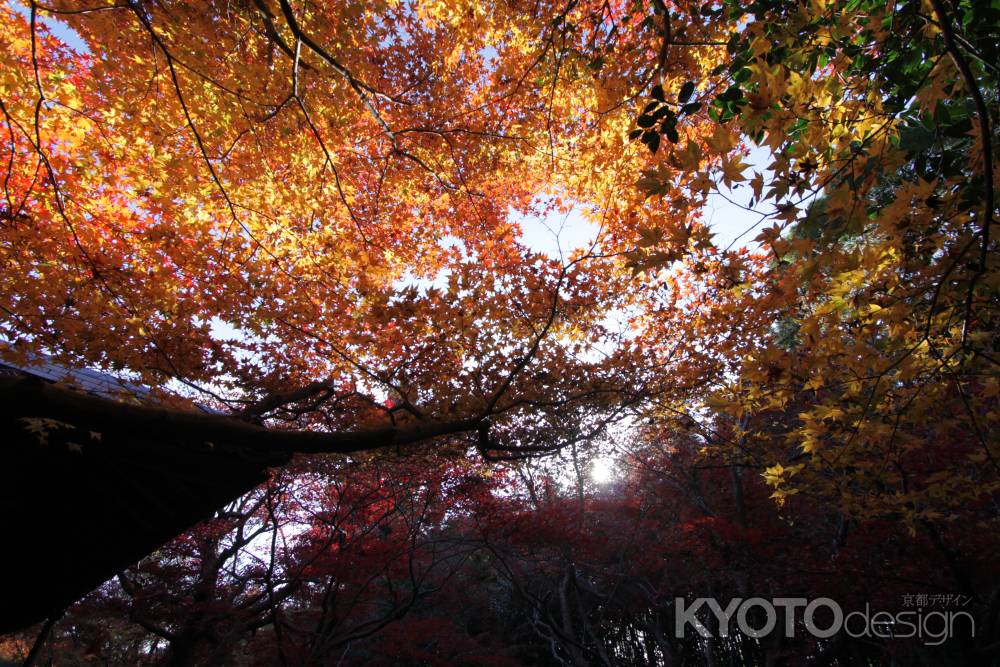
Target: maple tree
880, 264
309, 217
452, 566
293, 198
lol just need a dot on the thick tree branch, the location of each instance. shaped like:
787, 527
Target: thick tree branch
33, 398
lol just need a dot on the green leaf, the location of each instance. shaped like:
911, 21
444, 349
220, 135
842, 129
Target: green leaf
686, 91
690, 108
652, 140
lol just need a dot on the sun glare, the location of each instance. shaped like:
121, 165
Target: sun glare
601, 471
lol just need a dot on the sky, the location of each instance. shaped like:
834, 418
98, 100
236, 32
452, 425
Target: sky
725, 213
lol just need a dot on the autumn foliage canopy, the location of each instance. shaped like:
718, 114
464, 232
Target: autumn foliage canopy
316, 219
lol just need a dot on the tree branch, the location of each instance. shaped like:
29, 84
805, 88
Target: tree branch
31, 397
